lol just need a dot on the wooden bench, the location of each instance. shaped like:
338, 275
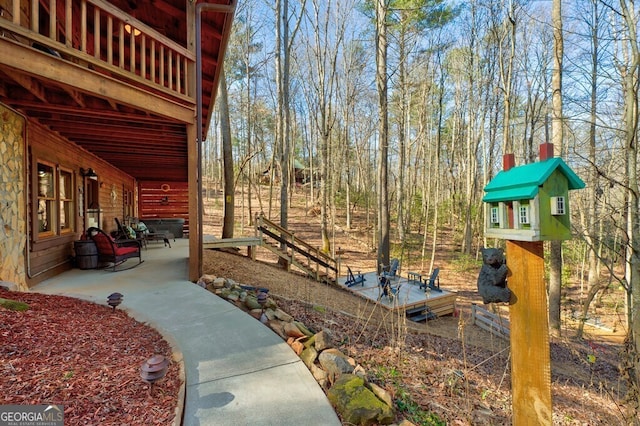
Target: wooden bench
249, 242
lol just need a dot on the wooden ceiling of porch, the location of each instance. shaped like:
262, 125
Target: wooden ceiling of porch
146, 145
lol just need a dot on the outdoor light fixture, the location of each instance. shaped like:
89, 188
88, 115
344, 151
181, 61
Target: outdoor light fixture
89, 173
128, 28
262, 301
114, 299
262, 298
154, 369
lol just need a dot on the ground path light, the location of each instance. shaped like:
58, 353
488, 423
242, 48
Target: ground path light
262, 301
114, 299
154, 369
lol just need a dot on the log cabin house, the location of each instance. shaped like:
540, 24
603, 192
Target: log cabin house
103, 106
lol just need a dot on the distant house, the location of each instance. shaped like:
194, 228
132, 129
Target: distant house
301, 174
531, 202
101, 105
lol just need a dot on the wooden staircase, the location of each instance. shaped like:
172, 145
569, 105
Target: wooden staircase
296, 252
420, 313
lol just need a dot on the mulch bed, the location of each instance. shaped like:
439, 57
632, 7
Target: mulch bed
86, 357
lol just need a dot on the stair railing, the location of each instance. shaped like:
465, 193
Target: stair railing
291, 246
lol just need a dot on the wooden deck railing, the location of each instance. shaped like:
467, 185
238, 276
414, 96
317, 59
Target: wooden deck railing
97, 34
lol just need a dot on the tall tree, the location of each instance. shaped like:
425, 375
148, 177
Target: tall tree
283, 47
630, 75
382, 84
282, 112
555, 252
325, 37
588, 213
408, 19
227, 156
507, 41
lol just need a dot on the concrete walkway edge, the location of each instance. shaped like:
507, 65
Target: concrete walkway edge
237, 371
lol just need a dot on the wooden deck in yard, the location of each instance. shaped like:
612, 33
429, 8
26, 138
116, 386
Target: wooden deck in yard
211, 242
410, 297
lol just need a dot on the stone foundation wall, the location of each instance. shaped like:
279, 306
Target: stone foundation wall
13, 226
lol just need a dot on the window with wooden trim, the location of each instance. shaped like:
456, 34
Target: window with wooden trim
523, 214
495, 215
46, 199
558, 207
55, 211
66, 193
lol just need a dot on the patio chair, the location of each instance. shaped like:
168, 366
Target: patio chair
352, 279
126, 232
433, 282
114, 251
391, 272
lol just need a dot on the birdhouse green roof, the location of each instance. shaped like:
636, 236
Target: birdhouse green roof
523, 182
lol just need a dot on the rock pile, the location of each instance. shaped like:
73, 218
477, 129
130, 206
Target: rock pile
345, 381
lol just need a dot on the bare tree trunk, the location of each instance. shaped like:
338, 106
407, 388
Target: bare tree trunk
324, 192
347, 162
402, 77
506, 72
285, 118
632, 273
555, 252
249, 126
589, 212
383, 136
437, 153
472, 140
278, 151
227, 156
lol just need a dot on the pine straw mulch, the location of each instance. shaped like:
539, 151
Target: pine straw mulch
86, 357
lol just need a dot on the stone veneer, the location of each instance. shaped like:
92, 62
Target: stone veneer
13, 235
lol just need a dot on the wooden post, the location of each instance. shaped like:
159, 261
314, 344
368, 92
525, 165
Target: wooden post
530, 359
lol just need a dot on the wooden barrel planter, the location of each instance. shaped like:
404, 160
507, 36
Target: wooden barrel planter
86, 254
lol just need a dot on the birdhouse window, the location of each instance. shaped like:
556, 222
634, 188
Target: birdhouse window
558, 206
523, 214
495, 216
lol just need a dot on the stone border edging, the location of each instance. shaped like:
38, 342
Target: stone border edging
343, 380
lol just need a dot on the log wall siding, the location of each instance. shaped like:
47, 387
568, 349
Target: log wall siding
49, 256
164, 199
13, 227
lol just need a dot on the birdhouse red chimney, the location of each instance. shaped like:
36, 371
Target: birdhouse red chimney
508, 161
546, 151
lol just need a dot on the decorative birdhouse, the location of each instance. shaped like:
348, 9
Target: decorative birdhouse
531, 202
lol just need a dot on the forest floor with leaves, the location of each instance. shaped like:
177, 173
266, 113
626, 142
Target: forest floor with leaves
447, 370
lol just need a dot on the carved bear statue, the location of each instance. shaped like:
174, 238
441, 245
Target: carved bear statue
492, 281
